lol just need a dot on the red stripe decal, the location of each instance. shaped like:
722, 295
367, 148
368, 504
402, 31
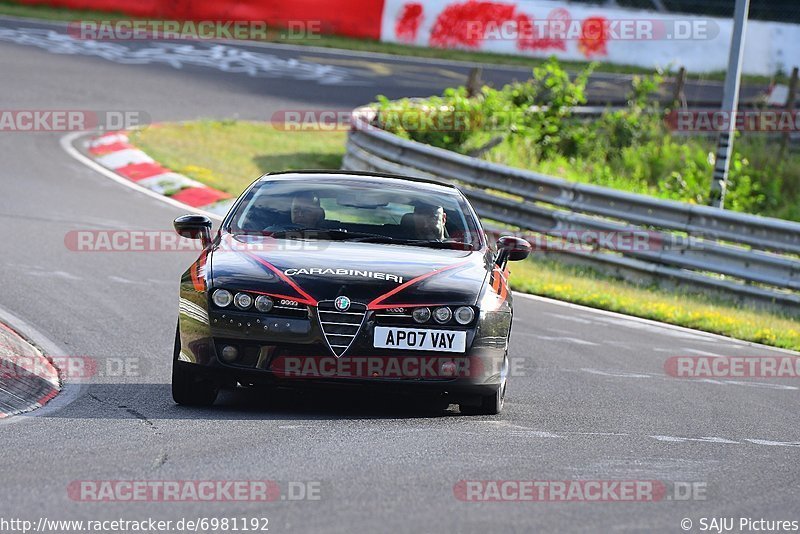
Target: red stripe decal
308, 298
375, 304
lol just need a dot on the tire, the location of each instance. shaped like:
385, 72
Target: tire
489, 404
189, 389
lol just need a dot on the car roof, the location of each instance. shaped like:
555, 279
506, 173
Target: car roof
362, 176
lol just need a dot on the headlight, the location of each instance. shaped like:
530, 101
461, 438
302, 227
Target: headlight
464, 315
421, 315
442, 315
222, 297
243, 301
263, 303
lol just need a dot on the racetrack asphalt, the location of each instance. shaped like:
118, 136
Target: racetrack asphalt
588, 396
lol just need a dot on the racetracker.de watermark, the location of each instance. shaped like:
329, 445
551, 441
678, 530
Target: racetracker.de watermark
392, 367
578, 491
71, 368
716, 121
612, 240
168, 241
557, 28
193, 490
733, 366
423, 118
70, 120
202, 30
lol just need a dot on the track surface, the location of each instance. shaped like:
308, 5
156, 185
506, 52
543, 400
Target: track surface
588, 397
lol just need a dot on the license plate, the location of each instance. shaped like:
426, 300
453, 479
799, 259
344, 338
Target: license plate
420, 339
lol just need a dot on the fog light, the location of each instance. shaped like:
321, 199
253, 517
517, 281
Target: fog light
263, 303
421, 315
464, 315
243, 301
448, 369
222, 297
442, 315
229, 353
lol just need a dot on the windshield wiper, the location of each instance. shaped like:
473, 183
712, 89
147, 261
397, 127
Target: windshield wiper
414, 242
335, 234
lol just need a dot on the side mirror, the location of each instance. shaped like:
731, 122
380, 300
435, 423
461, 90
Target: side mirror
510, 248
194, 227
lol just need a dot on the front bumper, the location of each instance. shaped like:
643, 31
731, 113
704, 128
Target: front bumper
293, 352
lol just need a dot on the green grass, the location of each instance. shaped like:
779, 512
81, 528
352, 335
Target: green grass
368, 45
586, 286
229, 155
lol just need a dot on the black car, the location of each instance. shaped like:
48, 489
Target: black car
347, 279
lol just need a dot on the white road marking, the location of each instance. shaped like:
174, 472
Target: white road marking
228, 59
700, 352
121, 280
625, 374
565, 339
618, 374
572, 318
759, 385
56, 274
675, 439
523, 431
774, 443
659, 327
599, 433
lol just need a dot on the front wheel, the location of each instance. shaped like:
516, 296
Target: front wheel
191, 390
487, 404
188, 388
493, 403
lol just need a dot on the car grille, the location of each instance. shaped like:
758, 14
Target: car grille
340, 328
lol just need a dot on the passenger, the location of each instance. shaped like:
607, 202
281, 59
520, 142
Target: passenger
429, 222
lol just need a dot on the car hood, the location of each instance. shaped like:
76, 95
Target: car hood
378, 275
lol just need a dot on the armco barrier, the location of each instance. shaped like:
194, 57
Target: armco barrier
746, 255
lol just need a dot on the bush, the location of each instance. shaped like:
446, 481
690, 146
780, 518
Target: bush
532, 125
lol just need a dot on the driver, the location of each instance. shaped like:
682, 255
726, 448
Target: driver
306, 211
429, 222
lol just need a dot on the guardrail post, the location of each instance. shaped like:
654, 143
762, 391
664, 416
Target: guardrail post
474, 82
789, 107
678, 95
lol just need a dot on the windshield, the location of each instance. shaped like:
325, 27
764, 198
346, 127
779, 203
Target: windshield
349, 209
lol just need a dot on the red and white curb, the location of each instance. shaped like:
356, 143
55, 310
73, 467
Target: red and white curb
28, 380
114, 151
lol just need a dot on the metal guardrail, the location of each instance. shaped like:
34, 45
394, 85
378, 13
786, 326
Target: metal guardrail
696, 244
